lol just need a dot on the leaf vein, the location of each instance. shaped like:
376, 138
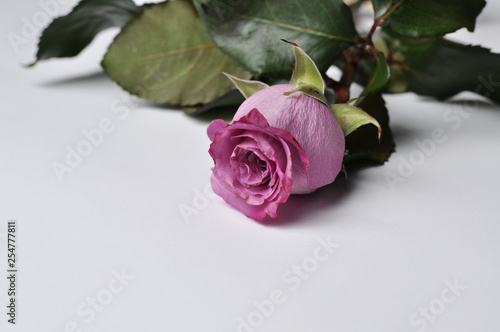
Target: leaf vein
170, 53
294, 27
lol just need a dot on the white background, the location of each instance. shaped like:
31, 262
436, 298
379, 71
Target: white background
119, 211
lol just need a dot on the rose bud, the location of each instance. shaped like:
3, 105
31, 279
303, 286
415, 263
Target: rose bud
284, 139
275, 146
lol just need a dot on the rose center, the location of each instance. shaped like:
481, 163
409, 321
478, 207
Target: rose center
249, 168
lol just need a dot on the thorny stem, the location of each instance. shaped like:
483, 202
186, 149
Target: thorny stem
352, 57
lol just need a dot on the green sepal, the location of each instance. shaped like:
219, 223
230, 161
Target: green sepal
305, 70
351, 118
246, 87
311, 91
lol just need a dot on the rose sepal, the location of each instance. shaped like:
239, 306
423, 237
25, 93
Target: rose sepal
311, 91
305, 70
351, 118
246, 87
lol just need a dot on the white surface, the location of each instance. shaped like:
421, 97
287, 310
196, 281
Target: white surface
398, 250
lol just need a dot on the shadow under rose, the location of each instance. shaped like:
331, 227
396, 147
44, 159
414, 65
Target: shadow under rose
303, 208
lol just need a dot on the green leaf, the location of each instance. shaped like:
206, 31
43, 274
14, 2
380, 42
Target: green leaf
68, 35
379, 74
426, 18
305, 70
363, 144
246, 87
351, 118
311, 91
165, 55
250, 31
440, 68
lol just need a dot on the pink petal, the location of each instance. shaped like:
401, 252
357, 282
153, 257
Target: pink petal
215, 127
259, 193
256, 212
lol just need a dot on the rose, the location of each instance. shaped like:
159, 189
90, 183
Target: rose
275, 146
253, 164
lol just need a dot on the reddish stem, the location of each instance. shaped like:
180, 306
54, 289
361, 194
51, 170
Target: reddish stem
352, 57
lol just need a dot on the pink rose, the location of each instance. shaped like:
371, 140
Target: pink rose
275, 146
253, 164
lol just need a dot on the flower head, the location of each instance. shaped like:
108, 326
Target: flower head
254, 163
284, 139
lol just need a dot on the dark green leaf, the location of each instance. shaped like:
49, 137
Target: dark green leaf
441, 68
250, 31
425, 18
165, 55
363, 144
67, 36
379, 74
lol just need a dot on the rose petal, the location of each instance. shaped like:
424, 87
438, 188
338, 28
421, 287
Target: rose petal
215, 127
256, 212
258, 193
